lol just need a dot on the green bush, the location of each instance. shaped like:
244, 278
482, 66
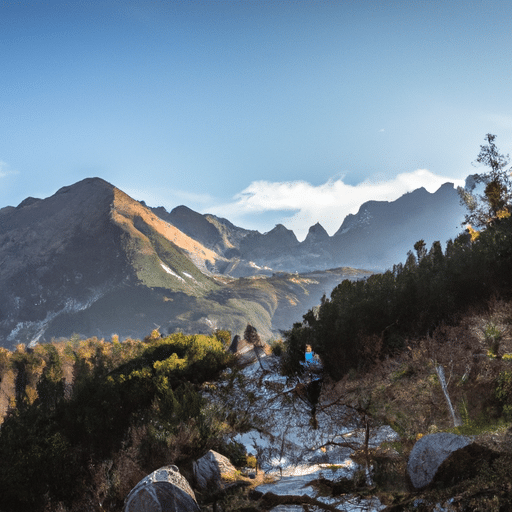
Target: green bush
235, 452
277, 347
493, 336
503, 393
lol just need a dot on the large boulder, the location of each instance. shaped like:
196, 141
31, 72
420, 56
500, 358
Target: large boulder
164, 490
213, 471
429, 453
247, 352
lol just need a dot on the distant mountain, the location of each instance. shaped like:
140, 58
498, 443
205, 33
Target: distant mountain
317, 235
378, 236
381, 233
93, 261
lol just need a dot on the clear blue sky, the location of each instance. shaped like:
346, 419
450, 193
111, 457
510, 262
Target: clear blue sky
260, 111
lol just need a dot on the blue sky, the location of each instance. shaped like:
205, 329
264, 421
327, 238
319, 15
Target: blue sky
258, 111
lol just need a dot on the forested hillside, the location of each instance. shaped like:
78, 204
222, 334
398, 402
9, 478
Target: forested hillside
87, 419
366, 320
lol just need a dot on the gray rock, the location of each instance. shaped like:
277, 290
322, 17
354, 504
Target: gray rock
212, 471
164, 490
429, 453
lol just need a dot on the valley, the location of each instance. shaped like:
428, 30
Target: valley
92, 261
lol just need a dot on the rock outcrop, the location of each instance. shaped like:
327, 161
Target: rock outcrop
429, 453
213, 471
163, 490
247, 352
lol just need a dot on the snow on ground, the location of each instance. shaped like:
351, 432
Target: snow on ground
288, 448
169, 271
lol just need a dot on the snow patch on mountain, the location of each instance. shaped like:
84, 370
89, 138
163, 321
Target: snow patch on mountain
169, 271
36, 329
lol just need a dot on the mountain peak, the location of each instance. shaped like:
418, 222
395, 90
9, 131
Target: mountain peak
28, 201
88, 184
280, 228
316, 234
281, 234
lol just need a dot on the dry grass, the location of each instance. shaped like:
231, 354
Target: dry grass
125, 209
405, 392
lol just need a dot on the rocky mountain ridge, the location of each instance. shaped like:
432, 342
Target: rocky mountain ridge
91, 260
378, 236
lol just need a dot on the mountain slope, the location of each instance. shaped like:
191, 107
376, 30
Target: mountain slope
89, 242
382, 232
92, 260
57, 254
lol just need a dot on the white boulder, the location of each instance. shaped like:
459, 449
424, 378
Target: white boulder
213, 471
429, 453
163, 490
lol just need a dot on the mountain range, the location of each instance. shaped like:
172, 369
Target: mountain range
378, 236
93, 261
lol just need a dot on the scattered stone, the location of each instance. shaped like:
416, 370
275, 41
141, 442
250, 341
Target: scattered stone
246, 352
164, 489
429, 453
213, 471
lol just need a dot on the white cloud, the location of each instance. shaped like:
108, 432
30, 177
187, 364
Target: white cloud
5, 169
328, 203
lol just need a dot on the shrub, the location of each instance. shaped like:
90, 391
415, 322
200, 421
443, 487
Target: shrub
235, 452
277, 347
503, 393
132, 405
493, 336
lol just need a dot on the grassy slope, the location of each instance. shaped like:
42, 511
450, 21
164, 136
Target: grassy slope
160, 254
405, 393
187, 297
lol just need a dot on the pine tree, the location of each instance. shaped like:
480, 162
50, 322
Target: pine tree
494, 203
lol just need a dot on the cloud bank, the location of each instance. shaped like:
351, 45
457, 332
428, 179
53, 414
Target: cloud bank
299, 204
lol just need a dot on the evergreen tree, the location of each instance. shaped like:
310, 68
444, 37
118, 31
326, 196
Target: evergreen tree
483, 209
